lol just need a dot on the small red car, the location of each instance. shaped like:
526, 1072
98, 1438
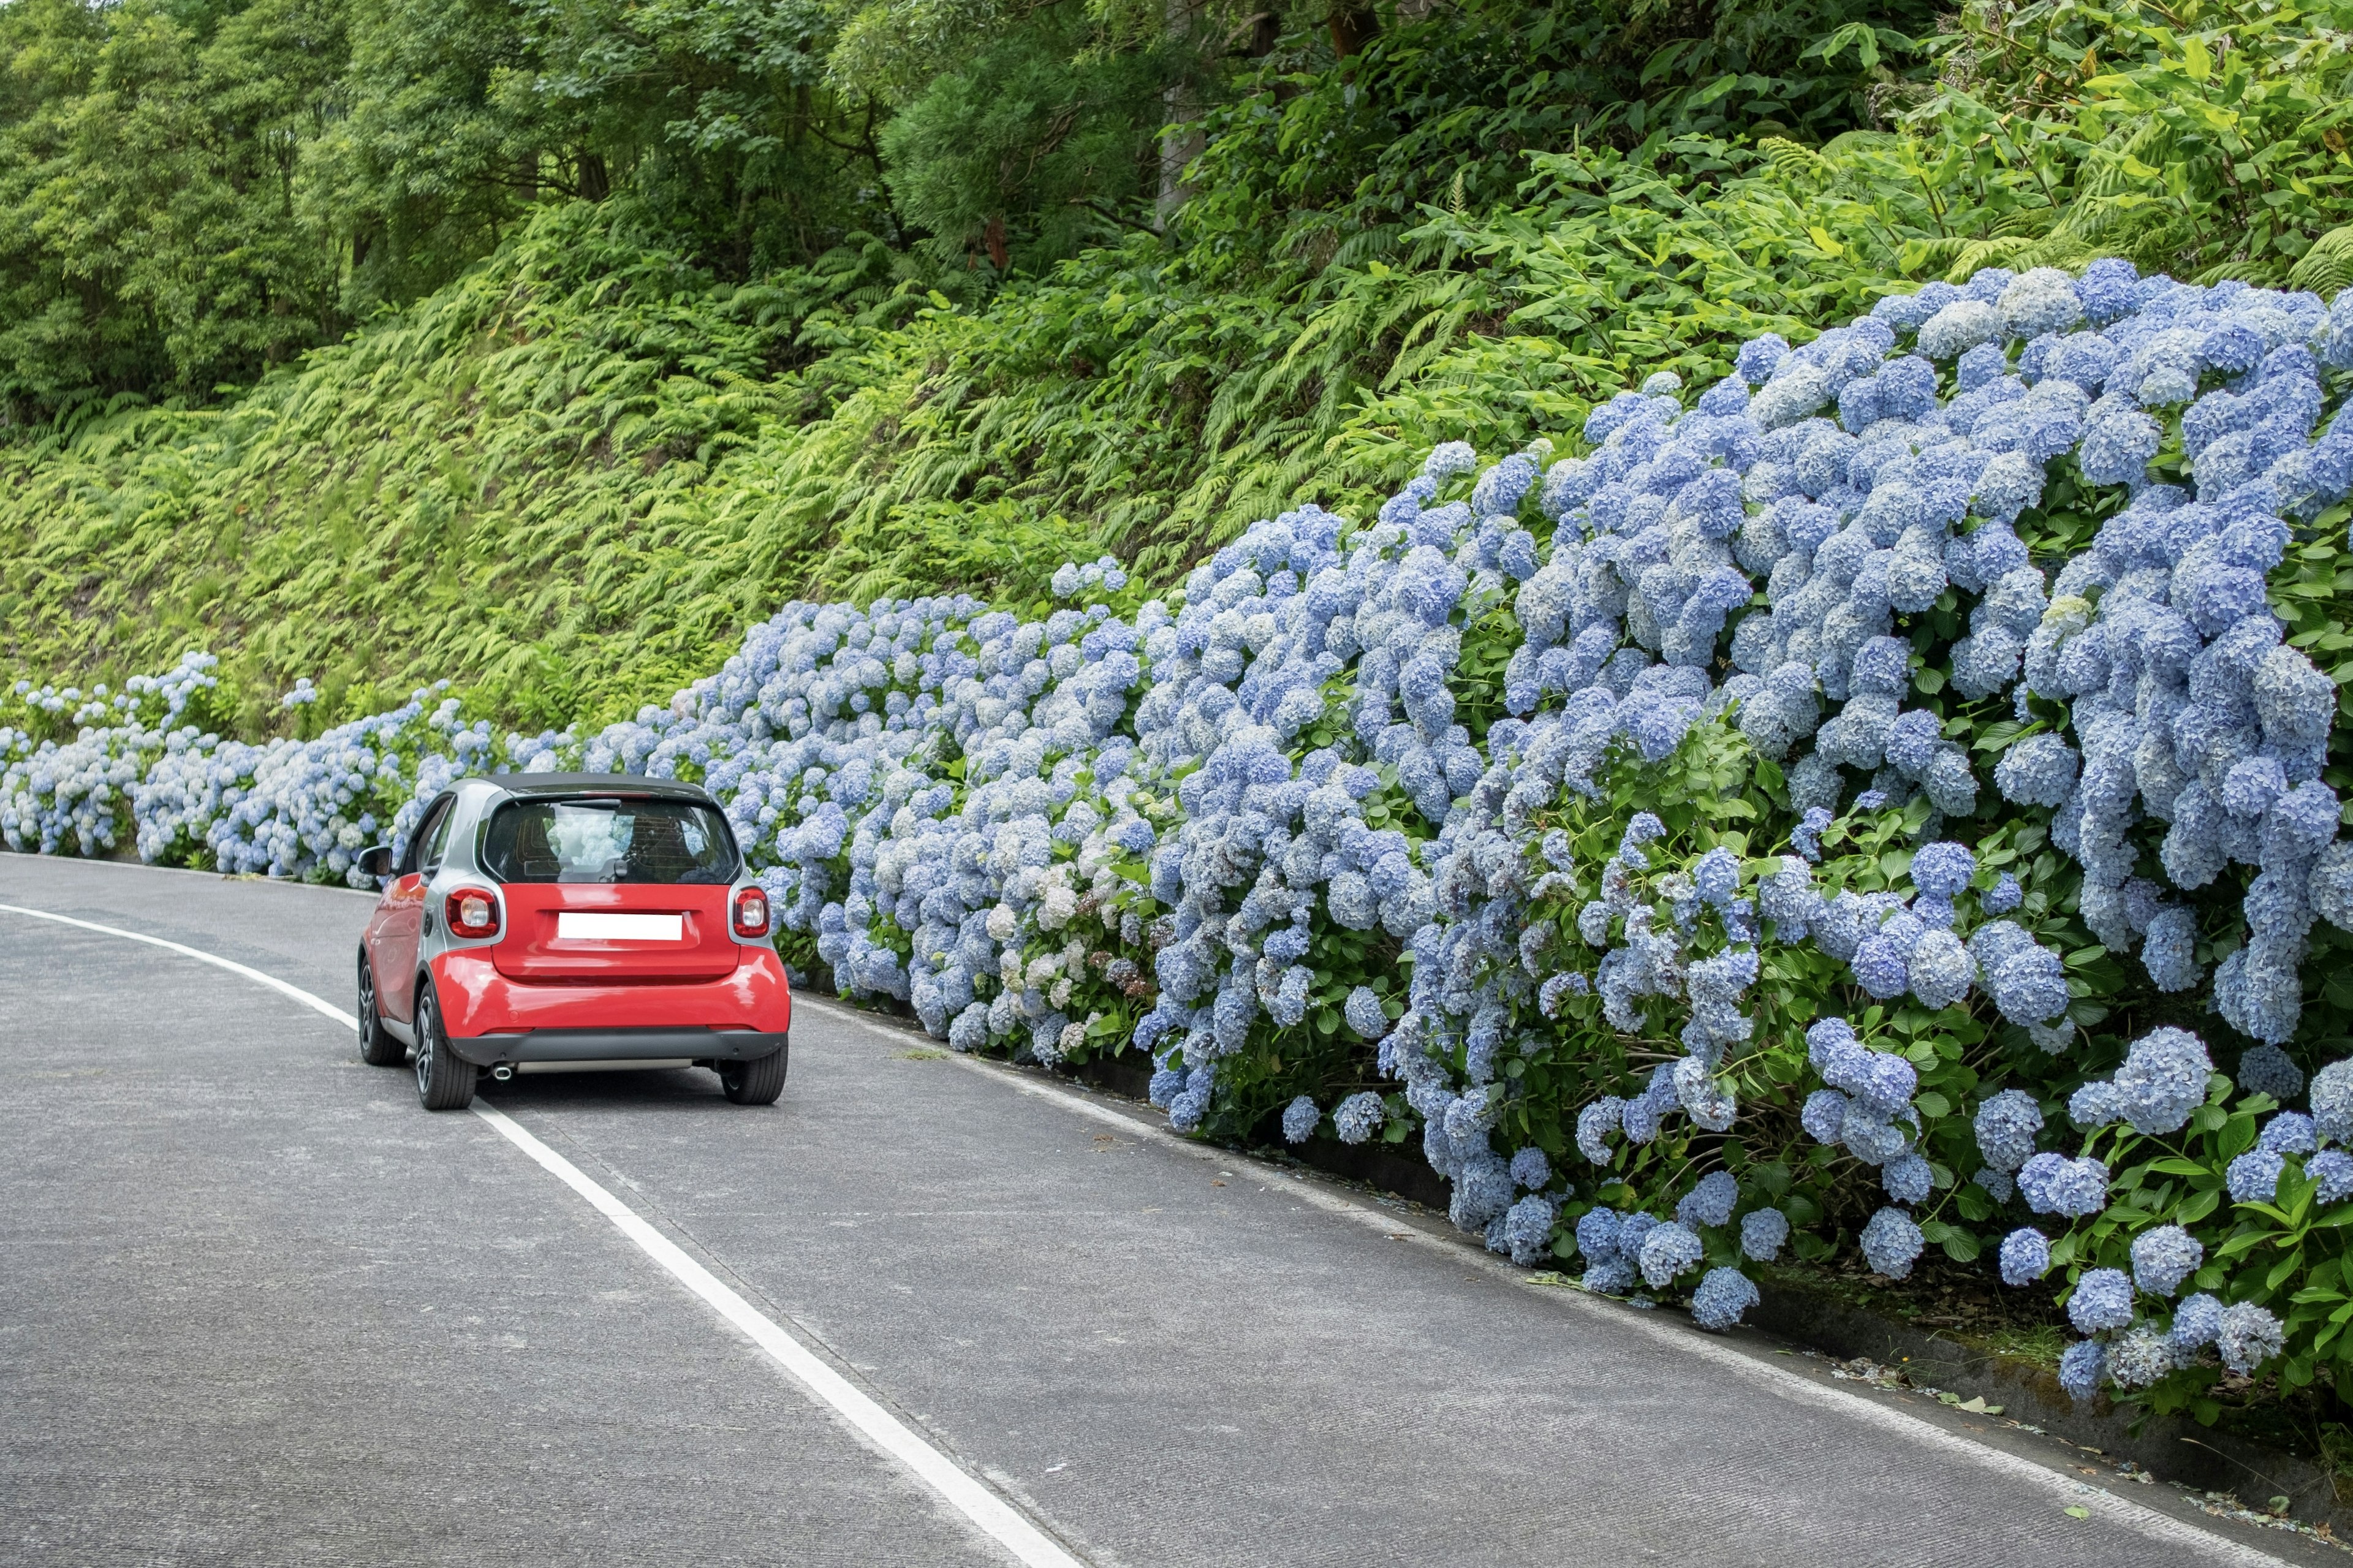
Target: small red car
576, 918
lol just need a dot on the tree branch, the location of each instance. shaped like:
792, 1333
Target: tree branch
1101, 211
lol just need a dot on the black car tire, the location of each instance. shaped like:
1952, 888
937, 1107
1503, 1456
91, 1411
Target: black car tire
757, 1081
378, 1048
444, 1081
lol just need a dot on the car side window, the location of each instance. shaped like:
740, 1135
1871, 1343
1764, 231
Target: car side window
438, 845
436, 817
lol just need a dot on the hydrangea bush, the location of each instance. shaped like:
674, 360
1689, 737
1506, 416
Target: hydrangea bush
1853, 806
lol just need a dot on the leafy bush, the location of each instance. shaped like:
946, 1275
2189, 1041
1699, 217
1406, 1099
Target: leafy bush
1735, 821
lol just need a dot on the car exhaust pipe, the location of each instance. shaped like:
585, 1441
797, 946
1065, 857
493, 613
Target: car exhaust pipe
504, 1072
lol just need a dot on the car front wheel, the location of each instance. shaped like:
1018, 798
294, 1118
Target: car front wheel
757, 1081
445, 1081
378, 1048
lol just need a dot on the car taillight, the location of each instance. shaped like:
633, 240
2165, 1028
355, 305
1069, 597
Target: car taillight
751, 912
472, 912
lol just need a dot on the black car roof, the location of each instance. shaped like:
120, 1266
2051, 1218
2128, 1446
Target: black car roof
540, 786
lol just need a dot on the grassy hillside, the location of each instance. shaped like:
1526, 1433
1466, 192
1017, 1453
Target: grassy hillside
569, 479
574, 476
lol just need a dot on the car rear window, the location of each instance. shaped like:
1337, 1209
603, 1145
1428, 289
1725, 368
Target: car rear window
602, 840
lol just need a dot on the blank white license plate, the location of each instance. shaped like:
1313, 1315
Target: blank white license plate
592, 927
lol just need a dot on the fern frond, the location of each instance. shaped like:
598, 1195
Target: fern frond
2328, 266
1979, 253
1849, 143
2243, 271
1367, 245
2056, 250
2031, 222
1801, 166
1921, 254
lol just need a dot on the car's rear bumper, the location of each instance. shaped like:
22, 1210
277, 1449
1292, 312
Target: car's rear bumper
490, 1017
616, 1044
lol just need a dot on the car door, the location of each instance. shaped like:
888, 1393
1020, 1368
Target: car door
399, 921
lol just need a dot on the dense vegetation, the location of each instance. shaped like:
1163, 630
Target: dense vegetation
667, 318
869, 399
572, 475
1734, 818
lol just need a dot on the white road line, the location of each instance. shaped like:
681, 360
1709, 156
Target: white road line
996, 1517
1780, 1381
992, 1513
342, 1014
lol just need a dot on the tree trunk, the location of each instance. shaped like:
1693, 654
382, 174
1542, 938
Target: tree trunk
1182, 141
595, 185
1353, 24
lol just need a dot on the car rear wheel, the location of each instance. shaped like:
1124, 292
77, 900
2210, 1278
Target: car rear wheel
444, 1081
377, 1047
757, 1081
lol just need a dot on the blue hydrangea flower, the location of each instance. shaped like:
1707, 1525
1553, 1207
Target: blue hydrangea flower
2053, 1184
2267, 1070
2163, 1079
1943, 869
1669, 1251
2253, 1177
2103, 1299
2331, 1170
1614, 1277
1763, 1233
2025, 1256
2037, 770
1300, 1119
2247, 1336
1527, 1227
1891, 1242
1805, 838
2007, 1123
2163, 1256
2332, 1102
1358, 1117
2169, 951
1711, 1202
2082, 1368
1717, 877
2288, 1133
1908, 1178
1595, 1122
2196, 1322
2140, 1356
1723, 1297
2004, 895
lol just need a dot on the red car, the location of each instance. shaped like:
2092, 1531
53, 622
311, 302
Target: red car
541, 921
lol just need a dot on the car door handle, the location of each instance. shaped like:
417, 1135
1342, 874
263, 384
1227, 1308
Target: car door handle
428, 922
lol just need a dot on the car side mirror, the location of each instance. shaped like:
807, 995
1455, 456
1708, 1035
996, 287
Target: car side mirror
376, 860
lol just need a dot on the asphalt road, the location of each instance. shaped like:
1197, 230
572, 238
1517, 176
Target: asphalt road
257, 1306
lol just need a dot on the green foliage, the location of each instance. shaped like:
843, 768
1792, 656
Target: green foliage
703, 120
151, 240
1030, 150
509, 475
2207, 142
618, 458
